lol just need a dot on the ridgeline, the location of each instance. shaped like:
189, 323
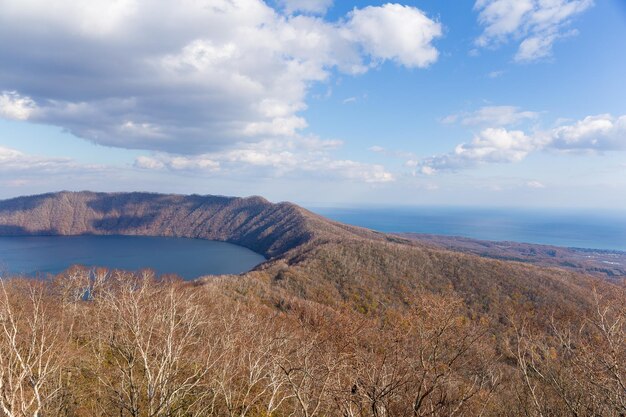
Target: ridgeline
308, 256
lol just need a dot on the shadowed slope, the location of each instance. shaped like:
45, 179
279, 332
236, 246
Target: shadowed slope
309, 256
255, 223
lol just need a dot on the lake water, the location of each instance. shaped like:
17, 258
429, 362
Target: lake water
188, 258
596, 230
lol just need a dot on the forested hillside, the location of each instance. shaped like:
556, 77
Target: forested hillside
340, 321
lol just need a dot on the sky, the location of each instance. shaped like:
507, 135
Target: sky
499, 103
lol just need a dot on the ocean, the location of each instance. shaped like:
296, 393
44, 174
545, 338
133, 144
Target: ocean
580, 229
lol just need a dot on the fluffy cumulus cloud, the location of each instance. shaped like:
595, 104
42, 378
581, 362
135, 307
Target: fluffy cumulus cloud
190, 77
395, 32
15, 107
493, 116
270, 158
534, 24
489, 146
599, 133
594, 133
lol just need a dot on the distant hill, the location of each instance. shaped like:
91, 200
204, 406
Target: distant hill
607, 263
308, 255
253, 222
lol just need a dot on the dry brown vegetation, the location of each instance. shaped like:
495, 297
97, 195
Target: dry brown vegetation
340, 321
609, 264
94, 343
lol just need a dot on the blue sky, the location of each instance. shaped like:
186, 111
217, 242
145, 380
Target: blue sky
488, 102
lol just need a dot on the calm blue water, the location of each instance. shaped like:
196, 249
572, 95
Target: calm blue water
188, 258
571, 229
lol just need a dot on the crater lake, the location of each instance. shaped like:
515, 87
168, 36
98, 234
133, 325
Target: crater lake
188, 258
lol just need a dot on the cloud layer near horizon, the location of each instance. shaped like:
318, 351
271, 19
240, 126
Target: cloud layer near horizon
600, 133
308, 157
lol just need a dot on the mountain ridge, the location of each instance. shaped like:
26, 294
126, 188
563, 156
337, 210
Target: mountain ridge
316, 258
268, 228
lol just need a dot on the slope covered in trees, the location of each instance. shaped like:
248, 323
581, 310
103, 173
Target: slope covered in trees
339, 321
310, 256
269, 229
607, 263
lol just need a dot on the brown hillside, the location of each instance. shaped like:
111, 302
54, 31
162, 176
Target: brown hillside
338, 321
309, 256
253, 222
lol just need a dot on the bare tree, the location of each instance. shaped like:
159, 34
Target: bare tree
577, 367
248, 378
151, 347
448, 371
31, 350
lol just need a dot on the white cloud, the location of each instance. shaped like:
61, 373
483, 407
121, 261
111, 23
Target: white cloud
8, 154
279, 126
427, 170
145, 130
16, 107
391, 153
492, 116
594, 133
535, 47
498, 145
148, 162
355, 171
536, 24
189, 76
501, 18
495, 74
540, 46
306, 6
395, 32
492, 145
96, 18
177, 163
14, 161
535, 184
271, 158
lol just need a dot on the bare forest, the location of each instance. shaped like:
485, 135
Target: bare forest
95, 343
